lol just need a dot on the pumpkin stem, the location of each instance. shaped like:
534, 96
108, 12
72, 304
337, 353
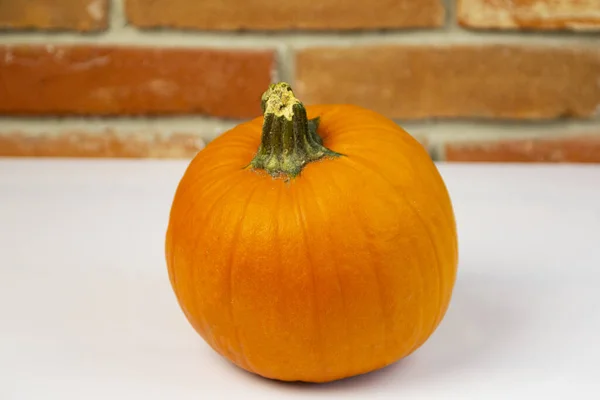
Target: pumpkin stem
289, 139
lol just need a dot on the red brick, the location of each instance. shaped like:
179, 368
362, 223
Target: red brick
583, 149
80, 15
284, 15
109, 143
530, 14
453, 81
119, 80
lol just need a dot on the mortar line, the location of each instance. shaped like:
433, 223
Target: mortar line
129, 36
440, 129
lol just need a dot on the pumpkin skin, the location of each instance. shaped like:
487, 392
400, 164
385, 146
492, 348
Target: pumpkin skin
342, 270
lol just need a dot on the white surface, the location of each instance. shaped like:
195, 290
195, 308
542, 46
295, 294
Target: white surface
86, 311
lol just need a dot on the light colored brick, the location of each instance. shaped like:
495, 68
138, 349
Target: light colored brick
284, 15
80, 15
42, 80
454, 81
530, 14
110, 143
583, 149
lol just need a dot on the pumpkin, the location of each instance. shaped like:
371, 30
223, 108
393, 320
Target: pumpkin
312, 243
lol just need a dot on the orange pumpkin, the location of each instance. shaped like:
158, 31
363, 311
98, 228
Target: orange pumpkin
312, 249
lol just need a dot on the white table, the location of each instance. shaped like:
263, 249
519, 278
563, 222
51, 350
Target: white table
86, 311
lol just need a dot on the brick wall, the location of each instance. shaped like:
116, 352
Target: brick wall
474, 80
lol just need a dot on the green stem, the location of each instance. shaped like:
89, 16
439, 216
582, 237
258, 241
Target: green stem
289, 140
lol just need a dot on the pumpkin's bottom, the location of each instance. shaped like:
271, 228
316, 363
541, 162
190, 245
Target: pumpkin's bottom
317, 378
324, 379
278, 370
